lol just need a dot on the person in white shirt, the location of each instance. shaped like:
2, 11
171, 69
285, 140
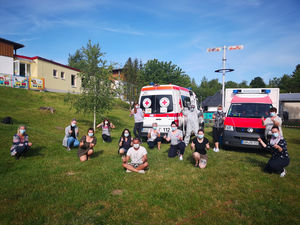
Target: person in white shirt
271, 121
138, 158
138, 114
154, 137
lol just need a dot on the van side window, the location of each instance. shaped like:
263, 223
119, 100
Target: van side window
186, 101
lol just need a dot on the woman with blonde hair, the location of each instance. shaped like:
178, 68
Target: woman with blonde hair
20, 143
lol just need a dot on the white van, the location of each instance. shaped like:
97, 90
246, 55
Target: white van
163, 104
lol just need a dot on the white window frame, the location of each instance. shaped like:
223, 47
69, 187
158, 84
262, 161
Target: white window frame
17, 67
55, 73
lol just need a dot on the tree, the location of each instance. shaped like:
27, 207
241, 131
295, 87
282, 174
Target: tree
76, 60
296, 79
286, 84
96, 92
132, 74
164, 73
231, 84
257, 82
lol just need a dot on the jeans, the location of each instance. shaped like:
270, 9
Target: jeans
174, 149
72, 142
106, 138
277, 165
152, 144
137, 130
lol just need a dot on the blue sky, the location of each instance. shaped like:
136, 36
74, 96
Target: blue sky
169, 30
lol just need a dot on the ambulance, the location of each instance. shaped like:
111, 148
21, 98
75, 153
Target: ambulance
163, 104
245, 107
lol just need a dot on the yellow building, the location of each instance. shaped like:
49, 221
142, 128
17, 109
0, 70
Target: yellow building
57, 77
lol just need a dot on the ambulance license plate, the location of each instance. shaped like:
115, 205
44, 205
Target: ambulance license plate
245, 142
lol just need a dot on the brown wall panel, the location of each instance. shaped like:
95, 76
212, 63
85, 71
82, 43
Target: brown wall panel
6, 49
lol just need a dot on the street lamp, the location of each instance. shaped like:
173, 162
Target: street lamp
224, 70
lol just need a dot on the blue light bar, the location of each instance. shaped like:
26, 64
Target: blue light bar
152, 83
267, 91
235, 91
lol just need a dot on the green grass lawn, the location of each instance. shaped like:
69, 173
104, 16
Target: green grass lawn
51, 185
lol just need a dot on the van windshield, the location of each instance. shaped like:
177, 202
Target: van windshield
157, 103
249, 110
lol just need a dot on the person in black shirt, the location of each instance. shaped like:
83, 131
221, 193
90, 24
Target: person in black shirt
200, 144
125, 142
280, 157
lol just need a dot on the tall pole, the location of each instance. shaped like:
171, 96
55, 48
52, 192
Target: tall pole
223, 80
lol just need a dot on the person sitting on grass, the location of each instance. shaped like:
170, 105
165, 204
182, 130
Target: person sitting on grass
71, 134
138, 156
177, 145
125, 142
200, 144
154, 137
86, 146
106, 125
20, 143
280, 157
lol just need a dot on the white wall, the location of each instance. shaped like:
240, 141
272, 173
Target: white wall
6, 65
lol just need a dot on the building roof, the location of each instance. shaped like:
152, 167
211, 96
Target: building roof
46, 60
289, 97
214, 100
15, 44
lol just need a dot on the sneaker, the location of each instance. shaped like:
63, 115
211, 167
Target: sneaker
283, 173
216, 150
141, 171
68, 149
128, 171
13, 153
180, 158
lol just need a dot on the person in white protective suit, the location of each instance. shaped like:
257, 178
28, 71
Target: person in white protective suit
192, 124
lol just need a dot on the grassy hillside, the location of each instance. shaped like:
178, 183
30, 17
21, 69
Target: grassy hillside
51, 186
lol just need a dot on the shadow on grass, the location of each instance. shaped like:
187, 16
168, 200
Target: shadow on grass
97, 153
34, 151
260, 151
256, 162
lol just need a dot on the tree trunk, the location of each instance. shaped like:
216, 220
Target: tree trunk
94, 125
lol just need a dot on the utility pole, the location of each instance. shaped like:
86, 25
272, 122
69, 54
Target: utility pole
224, 70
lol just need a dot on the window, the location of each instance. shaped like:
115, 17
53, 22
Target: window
73, 84
22, 69
249, 110
186, 101
54, 73
62, 75
156, 102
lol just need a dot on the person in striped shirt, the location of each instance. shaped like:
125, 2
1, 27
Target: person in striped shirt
21, 143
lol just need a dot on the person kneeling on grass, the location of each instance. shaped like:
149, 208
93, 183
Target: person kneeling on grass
125, 142
71, 134
200, 144
280, 157
20, 143
177, 145
86, 146
106, 125
154, 137
138, 156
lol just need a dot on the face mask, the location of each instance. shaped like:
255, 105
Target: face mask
91, 134
137, 107
272, 114
106, 122
136, 146
200, 136
126, 134
219, 111
275, 135
192, 109
173, 128
22, 131
154, 128
73, 124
